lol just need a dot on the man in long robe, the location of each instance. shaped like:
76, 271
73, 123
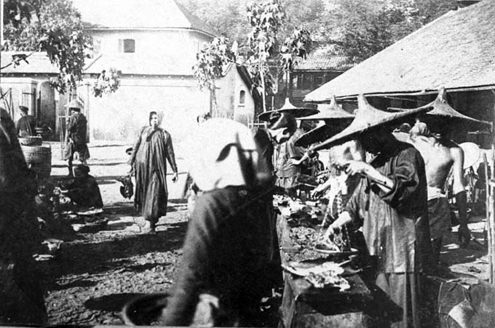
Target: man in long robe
390, 203
76, 136
153, 147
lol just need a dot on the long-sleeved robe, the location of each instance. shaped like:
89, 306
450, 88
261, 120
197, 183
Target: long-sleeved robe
395, 226
149, 156
227, 251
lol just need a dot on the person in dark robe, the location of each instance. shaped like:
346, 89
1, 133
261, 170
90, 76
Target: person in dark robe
76, 135
228, 244
26, 124
390, 204
84, 191
153, 146
21, 298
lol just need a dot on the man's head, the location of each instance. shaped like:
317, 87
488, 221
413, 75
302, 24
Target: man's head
374, 140
154, 120
24, 110
283, 127
81, 171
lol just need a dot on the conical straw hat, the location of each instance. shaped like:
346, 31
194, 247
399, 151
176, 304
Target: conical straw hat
288, 107
448, 115
368, 117
75, 103
323, 132
331, 111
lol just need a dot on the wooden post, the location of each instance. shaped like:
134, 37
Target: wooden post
489, 217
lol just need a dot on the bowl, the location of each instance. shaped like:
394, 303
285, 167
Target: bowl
144, 310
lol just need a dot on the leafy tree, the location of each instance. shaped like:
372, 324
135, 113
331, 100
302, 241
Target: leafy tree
53, 26
367, 27
265, 19
210, 63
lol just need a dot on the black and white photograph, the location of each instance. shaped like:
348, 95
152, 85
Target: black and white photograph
247, 163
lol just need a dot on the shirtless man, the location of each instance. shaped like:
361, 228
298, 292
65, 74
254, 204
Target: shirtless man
441, 155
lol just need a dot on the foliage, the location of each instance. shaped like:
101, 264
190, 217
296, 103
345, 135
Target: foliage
295, 47
366, 28
53, 26
210, 62
108, 81
356, 28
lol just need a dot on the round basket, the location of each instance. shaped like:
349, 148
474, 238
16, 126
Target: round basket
144, 310
39, 159
31, 141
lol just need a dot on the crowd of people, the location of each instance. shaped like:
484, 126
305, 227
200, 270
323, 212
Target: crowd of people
394, 181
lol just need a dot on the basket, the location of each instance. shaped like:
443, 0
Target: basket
39, 159
144, 310
31, 141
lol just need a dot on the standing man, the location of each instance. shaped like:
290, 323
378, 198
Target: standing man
391, 206
26, 124
148, 162
76, 135
441, 157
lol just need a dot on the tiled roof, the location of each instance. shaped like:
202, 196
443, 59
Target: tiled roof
137, 14
323, 59
455, 51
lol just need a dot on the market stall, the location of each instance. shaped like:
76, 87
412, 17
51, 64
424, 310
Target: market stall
323, 287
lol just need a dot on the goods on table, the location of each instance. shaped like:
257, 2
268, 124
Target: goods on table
320, 275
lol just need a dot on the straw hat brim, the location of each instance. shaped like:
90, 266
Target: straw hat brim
368, 118
300, 112
329, 111
445, 114
323, 132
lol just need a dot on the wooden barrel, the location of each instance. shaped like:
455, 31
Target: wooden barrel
39, 159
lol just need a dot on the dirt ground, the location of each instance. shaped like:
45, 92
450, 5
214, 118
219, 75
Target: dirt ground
95, 274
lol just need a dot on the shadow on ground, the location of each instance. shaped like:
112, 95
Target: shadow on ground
111, 303
79, 258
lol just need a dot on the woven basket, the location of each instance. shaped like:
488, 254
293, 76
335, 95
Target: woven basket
31, 141
39, 158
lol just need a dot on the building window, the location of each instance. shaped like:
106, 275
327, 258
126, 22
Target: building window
127, 45
242, 98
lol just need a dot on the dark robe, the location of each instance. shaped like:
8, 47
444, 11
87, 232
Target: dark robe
395, 226
148, 159
26, 126
21, 299
227, 250
85, 192
76, 132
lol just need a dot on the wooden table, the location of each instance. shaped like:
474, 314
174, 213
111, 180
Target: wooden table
306, 306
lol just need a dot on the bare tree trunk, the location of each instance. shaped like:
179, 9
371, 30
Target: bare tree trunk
263, 87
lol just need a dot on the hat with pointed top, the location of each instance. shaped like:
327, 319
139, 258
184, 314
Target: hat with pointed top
288, 107
443, 111
75, 103
331, 112
336, 119
367, 118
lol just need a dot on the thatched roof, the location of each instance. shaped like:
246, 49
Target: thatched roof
455, 51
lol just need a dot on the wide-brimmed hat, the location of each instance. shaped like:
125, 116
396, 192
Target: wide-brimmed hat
443, 113
367, 118
23, 109
288, 107
75, 103
331, 112
336, 119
